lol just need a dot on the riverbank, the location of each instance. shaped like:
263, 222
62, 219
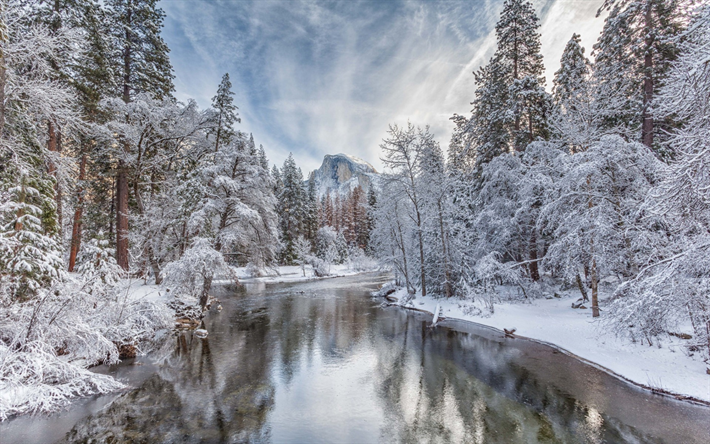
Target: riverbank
47, 348
666, 368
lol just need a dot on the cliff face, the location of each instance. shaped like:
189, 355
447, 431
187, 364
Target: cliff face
341, 173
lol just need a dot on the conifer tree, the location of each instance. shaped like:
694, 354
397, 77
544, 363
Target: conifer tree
511, 106
632, 57
311, 210
226, 113
263, 161
366, 239
575, 120
140, 61
291, 208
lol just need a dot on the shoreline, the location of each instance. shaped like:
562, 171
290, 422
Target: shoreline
676, 395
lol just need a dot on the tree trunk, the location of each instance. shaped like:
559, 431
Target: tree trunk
54, 145
534, 271
122, 216
445, 250
78, 212
148, 251
647, 129
595, 288
206, 286
421, 253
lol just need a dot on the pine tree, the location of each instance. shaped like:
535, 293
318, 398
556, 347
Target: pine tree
575, 122
263, 161
511, 106
311, 210
226, 113
632, 57
291, 208
366, 239
140, 60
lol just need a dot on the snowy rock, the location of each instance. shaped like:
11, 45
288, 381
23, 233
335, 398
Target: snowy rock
341, 173
201, 333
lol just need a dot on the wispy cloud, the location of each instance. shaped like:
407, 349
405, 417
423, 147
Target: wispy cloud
316, 77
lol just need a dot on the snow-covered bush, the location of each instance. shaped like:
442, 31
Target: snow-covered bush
47, 343
326, 250
97, 264
302, 249
192, 274
359, 261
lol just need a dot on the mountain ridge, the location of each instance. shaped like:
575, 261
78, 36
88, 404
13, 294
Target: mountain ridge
341, 173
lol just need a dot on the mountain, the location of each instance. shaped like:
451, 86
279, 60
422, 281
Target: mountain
341, 173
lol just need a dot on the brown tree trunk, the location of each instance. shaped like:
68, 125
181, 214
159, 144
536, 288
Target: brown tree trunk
534, 271
122, 216
595, 290
647, 128
206, 286
78, 213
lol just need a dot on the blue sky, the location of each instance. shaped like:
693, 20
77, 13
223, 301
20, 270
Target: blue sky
324, 77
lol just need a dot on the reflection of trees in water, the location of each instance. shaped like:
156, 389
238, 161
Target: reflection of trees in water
207, 391
433, 385
328, 322
445, 386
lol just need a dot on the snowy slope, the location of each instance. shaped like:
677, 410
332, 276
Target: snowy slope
341, 173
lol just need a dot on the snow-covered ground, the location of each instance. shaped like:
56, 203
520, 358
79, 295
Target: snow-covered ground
293, 273
553, 321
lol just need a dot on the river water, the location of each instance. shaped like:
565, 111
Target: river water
323, 362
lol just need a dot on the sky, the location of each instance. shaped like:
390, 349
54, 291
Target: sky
326, 77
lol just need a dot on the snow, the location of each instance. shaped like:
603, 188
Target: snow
554, 322
293, 273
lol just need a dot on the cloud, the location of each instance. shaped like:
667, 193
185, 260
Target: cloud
315, 77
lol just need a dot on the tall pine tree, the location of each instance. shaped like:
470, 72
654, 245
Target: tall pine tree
140, 61
632, 58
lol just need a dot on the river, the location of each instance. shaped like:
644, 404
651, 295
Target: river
321, 361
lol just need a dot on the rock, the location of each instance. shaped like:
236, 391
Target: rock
681, 335
557, 295
341, 173
219, 307
201, 333
126, 351
579, 303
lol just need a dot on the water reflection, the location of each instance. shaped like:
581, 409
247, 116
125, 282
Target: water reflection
321, 362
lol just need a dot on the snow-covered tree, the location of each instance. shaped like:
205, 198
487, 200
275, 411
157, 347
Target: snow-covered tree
302, 248
402, 150
140, 60
194, 272
576, 117
226, 113
673, 284
511, 107
632, 57
291, 208
595, 218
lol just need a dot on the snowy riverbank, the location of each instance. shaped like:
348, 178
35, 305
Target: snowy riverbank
293, 273
45, 358
553, 321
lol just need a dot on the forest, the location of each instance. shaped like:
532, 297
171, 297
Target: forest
599, 184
